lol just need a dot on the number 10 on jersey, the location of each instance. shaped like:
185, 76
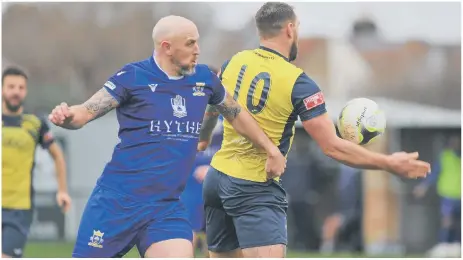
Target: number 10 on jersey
264, 76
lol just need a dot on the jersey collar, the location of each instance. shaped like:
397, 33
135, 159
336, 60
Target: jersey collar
11, 120
156, 66
12, 117
273, 51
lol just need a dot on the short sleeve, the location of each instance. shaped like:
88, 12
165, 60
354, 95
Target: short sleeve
117, 85
45, 136
307, 98
222, 69
218, 91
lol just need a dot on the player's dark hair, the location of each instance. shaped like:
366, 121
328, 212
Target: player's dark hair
272, 16
12, 71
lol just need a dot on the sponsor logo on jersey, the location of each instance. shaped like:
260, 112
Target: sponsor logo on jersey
314, 101
110, 85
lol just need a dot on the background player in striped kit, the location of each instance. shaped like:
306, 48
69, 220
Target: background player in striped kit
21, 133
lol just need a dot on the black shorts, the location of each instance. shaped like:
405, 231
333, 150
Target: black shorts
243, 214
15, 228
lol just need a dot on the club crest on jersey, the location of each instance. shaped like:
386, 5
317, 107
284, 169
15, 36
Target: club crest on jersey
198, 90
179, 106
97, 239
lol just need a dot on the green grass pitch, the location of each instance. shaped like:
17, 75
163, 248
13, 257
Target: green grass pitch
64, 250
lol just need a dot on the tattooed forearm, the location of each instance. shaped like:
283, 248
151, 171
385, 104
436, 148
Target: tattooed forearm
209, 121
100, 103
229, 109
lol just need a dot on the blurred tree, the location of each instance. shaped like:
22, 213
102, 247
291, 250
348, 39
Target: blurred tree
70, 49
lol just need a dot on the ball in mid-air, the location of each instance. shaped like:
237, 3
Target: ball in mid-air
361, 121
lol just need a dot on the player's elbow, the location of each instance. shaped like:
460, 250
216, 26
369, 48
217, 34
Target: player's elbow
322, 130
332, 147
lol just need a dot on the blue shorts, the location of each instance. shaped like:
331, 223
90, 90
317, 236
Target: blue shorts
450, 207
243, 214
15, 228
195, 211
113, 223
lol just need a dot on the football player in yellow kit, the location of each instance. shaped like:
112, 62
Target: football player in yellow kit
245, 207
21, 133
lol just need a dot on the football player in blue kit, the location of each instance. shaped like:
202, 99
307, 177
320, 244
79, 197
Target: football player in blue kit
160, 103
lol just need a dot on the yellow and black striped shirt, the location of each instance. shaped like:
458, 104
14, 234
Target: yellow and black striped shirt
20, 136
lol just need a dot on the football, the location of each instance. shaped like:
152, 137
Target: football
361, 121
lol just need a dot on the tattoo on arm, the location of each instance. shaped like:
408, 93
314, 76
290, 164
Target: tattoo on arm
100, 103
209, 121
229, 109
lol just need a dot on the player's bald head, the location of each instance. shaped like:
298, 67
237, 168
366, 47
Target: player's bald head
173, 26
176, 43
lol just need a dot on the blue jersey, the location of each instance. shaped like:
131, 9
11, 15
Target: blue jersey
193, 189
159, 123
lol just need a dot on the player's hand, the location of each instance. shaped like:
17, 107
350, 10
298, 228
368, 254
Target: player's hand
61, 115
63, 200
200, 173
419, 191
407, 165
202, 146
275, 165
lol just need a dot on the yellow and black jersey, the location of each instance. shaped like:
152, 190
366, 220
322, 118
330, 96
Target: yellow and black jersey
20, 136
275, 92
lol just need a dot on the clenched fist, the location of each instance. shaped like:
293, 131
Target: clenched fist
61, 115
275, 165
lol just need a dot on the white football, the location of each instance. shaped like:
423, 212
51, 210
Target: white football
361, 121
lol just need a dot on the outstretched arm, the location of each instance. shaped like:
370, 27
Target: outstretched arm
77, 116
309, 103
322, 130
114, 93
99, 104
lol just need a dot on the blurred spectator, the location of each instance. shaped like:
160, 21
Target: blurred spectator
297, 183
342, 231
446, 174
305, 181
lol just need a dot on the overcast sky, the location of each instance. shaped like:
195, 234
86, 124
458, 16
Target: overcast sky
434, 22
